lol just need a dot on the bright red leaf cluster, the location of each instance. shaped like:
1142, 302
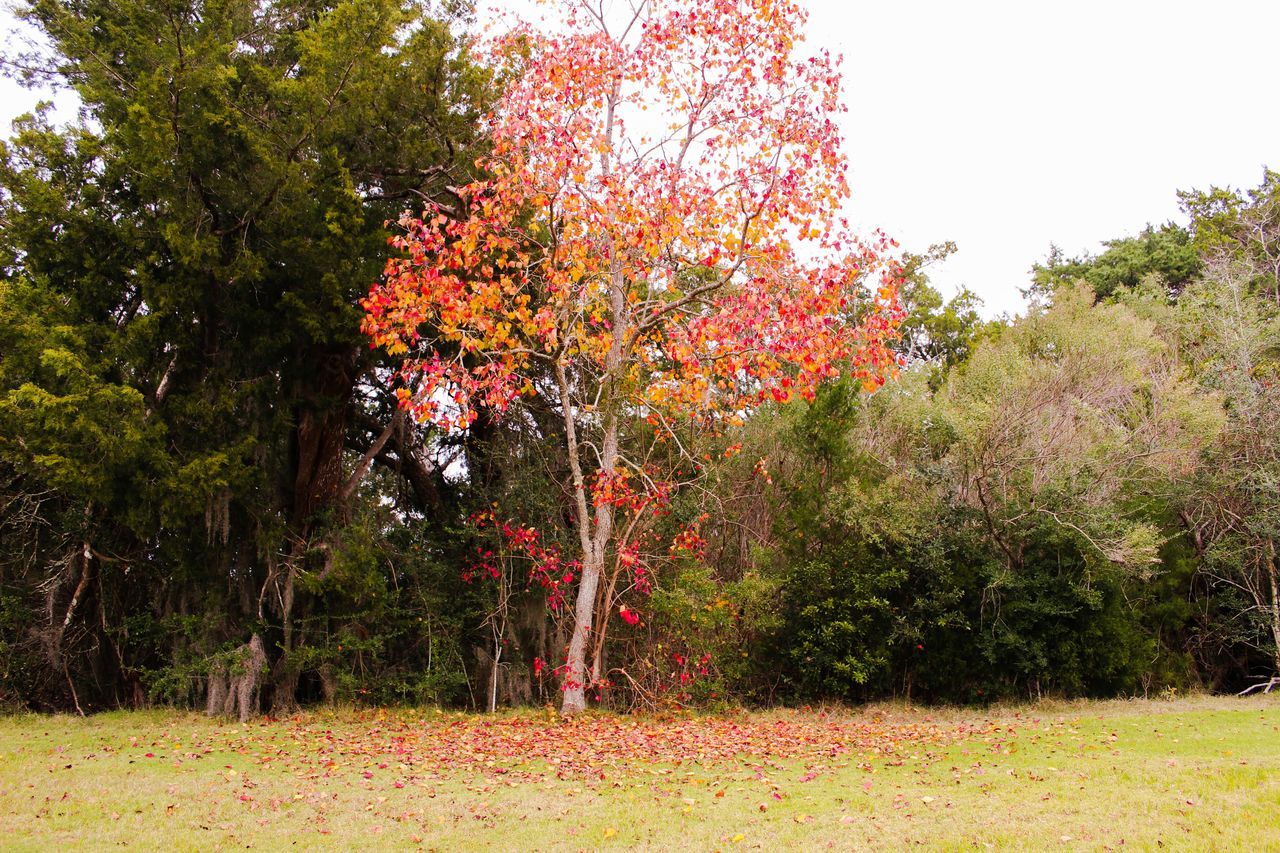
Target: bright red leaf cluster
546, 566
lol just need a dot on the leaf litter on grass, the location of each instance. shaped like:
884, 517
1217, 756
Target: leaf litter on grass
527, 748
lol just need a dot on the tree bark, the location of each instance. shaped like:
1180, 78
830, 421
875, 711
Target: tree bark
284, 677
1274, 580
493, 676
575, 681
216, 691
320, 433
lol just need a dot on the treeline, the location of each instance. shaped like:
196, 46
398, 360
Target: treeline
209, 498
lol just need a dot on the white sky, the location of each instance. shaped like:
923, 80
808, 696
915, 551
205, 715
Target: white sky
1006, 126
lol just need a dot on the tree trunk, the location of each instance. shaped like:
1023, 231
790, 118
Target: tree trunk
1272, 573
246, 686
284, 688
233, 691
328, 683
595, 536
493, 677
320, 431
575, 680
284, 677
315, 490
216, 691
596, 543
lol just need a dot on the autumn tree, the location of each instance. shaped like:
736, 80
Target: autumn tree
657, 247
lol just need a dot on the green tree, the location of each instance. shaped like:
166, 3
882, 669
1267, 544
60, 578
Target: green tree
1241, 229
1166, 252
1001, 535
1229, 323
1076, 416
940, 332
184, 382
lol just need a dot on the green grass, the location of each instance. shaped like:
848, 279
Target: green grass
1199, 773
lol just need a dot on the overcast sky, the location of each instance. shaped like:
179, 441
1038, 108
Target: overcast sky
1007, 126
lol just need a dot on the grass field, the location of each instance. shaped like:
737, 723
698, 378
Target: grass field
1189, 773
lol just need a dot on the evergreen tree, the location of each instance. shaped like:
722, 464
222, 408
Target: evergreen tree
187, 406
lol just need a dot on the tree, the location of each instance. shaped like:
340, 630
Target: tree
933, 331
1166, 252
635, 259
999, 532
1229, 226
1075, 418
197, 408
1229, 323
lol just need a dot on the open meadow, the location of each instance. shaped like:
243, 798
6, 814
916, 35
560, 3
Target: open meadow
1193, 772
